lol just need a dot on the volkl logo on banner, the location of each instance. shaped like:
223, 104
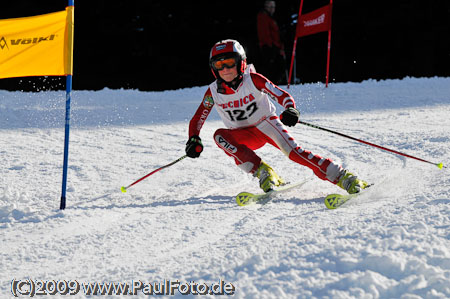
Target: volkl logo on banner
3, 43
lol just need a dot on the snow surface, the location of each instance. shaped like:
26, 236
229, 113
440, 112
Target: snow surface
182, 223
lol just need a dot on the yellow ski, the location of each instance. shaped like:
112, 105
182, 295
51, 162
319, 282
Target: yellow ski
334, 201
247, 198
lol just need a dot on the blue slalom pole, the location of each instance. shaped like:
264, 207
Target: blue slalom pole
62, 205
66, 141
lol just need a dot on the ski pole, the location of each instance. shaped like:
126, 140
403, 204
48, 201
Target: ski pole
124, 189
440, 165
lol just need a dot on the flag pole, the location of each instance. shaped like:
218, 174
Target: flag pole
329, 47
66, 141
62, 205
295, 45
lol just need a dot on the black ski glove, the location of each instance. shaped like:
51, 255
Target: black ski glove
194, 146
290, 117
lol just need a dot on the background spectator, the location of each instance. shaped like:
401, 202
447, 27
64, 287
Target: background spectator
272, 55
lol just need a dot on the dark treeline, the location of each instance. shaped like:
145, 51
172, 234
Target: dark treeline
158, 45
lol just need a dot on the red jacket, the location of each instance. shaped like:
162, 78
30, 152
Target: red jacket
268, 31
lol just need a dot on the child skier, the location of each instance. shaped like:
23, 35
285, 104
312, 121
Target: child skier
242, 99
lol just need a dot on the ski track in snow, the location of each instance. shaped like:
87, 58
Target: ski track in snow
182, 223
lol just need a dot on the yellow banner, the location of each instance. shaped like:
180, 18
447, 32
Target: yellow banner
37, 46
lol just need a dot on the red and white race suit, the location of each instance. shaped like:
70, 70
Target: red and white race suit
251, 121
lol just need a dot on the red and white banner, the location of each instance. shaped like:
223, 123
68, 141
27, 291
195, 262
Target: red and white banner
314, 22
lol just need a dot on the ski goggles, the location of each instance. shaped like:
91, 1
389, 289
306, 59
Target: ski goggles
219, 65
